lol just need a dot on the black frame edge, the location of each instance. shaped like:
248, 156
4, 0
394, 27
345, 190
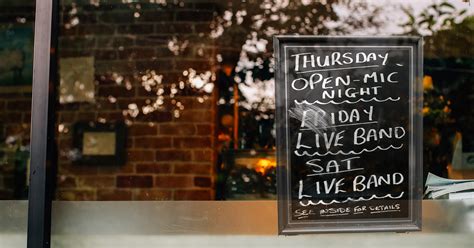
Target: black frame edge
413, 224
281, 165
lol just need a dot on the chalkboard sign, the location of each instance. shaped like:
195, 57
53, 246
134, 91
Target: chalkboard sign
349, 129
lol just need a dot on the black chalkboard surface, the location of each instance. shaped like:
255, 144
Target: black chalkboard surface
349, 129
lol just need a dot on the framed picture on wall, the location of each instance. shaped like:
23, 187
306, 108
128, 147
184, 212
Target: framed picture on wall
100, 144
16, 51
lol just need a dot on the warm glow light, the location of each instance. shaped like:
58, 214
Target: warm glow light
427, 83
265, 164
227, 69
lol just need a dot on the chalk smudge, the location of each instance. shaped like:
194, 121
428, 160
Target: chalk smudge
315, 118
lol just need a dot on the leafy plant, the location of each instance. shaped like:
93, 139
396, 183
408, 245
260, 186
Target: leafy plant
437, 16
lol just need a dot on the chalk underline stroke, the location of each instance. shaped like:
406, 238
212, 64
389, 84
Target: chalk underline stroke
340, 152
385, 211
335, 69
322, 202
336, 172
343, 125
349, 102
328, 215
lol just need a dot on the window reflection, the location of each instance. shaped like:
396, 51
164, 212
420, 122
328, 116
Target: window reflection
16, 68
193, 83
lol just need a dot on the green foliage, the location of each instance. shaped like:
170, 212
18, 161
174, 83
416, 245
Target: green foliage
435, 17
455, 42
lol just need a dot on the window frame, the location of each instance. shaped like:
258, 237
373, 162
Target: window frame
42, 146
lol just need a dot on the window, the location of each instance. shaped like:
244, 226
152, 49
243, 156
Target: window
174, 100
16, 70
193, 84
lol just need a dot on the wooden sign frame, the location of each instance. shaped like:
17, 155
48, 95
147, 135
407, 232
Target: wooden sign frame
287, 223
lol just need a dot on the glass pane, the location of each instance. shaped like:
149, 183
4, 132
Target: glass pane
174, 100
16, 68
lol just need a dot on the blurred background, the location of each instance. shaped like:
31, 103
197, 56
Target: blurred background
174, 100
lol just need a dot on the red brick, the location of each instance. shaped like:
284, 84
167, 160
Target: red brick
195, 116
67, 117
152, 40
114, 195
86, 116
195, 15
111, 116
153, 195
201, 65
10, 117
151, 168
115, 91
17, 129
65, 142
156, 16
147, 95
135, 29
177, 28
111, 66
177, 129
68, 107
142, 129
152, 142
140, 155
192, 142
155, 116
163, 52
111, 170
173, 155
197, 169
191, 103
154, 64
129, 143
202, 182
202, 195
26, 117
134, 181
95, 29
88, 107
137, 53
123, 103
89, 18
96, 181
207, 6
105, 54
202, 155
19, 105
115, 42
204, 129
76, 169
11, 95
114, 17
202, 28
64, 53
68, 31
75, 195
173, 182
66, 181
77, 42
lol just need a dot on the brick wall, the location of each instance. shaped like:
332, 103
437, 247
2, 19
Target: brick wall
170, 152
15, 102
